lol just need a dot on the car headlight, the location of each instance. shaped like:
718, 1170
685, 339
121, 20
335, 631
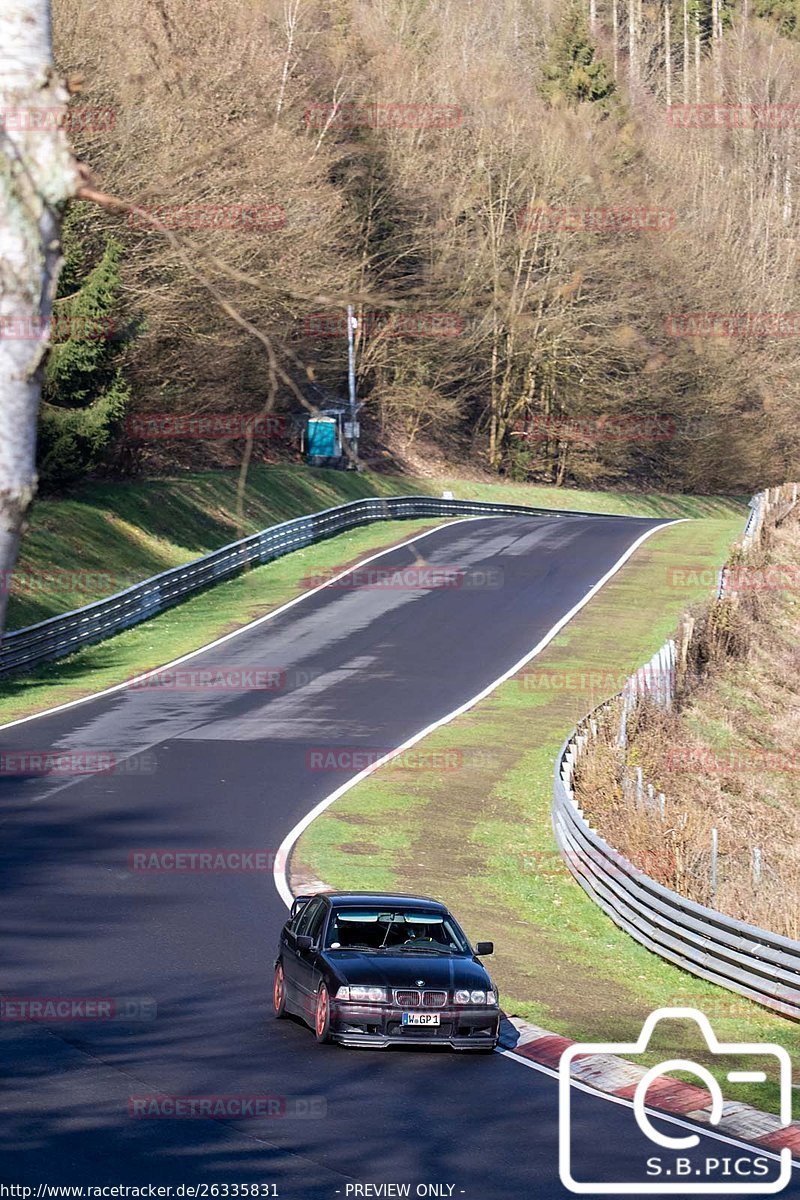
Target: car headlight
362, 994
476, 997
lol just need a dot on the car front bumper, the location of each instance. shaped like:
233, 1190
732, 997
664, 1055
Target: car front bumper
461, 1027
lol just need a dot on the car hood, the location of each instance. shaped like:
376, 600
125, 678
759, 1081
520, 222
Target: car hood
405, 969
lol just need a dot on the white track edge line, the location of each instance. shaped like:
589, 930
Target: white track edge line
287, 845
704, 1131
275, 612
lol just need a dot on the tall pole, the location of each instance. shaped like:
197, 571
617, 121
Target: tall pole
352, 325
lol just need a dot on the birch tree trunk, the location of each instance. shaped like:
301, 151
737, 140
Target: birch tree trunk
38, 174
716, 44
592, 15
291, 10
633, 61
615, 34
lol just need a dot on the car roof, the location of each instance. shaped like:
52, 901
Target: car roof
384, 899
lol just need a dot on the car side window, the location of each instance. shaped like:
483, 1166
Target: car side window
298, 918
317, 921
306, 916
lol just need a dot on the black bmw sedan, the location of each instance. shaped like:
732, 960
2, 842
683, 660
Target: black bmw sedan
366, 969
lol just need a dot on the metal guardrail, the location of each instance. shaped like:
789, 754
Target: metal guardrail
59, 636
754, 962
743, 958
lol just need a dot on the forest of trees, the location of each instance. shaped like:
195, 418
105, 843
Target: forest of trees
565, 269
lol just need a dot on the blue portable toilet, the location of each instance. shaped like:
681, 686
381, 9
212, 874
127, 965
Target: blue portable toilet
323, 440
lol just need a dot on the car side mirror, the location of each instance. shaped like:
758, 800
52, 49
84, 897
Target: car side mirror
304, 942
482, 948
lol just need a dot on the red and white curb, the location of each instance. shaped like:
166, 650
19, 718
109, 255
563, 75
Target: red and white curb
616, 1076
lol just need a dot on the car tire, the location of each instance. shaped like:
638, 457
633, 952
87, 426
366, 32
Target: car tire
279, 992
322, 1016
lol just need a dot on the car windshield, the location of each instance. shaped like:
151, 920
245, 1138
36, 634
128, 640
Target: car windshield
397, 930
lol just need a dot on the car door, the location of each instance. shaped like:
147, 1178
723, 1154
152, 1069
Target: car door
294, 970
291, 954
286, 942
306, 963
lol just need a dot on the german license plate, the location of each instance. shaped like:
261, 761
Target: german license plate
420, 1018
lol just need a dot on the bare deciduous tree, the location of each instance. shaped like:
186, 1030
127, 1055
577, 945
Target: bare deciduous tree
38, 174
559, 317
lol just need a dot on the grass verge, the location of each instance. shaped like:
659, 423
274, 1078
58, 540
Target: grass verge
480, 836
107, 536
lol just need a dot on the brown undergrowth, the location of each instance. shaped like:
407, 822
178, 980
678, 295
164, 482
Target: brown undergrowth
726, 758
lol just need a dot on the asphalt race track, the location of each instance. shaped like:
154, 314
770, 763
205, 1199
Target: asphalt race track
359, 666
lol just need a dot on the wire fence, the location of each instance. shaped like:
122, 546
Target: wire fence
778, 501
754, 962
